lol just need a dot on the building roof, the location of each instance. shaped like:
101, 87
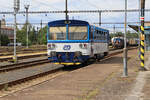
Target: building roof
136, 27
147, 23
7, 28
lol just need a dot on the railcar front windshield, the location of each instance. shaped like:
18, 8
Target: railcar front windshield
70, 33
57, 33
78, 33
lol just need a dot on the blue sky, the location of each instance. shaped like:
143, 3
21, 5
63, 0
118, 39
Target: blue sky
41, 5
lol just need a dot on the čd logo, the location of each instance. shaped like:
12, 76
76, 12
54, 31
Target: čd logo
67, 47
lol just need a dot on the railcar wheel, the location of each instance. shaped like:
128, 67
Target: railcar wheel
96, 57
65, 65
99, 56
105, 53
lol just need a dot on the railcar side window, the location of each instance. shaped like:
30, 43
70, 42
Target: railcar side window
100, 35
57, 33
91, 33
78, 33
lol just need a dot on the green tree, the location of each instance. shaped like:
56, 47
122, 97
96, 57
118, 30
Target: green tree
22, 35
117, 34
42, 39
34, 38
132, 35
121, 34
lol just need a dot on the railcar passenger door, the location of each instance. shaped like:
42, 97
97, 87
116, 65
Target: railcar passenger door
92, 41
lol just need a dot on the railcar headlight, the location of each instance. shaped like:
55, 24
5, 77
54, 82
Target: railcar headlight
78, 53
53, 53
80, 45
51, 46
83, 46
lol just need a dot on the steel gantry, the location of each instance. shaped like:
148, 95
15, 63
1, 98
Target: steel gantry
75, 11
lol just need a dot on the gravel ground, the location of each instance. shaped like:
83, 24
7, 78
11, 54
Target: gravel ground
117, 87
26, 72
146, 89
98, 81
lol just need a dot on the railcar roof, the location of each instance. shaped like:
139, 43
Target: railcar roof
99, 28
70, 23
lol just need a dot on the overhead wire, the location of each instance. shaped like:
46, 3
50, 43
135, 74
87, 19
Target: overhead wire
93, 5
46, 4
3, 6
89, 3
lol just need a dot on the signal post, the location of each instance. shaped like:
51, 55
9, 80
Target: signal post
142, 37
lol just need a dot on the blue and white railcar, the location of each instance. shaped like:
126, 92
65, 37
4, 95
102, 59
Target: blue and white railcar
73, 42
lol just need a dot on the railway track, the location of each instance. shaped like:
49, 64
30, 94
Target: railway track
40, 73
8, 51
23, 52
10, 58
11, 67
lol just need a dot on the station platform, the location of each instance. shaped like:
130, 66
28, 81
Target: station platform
23, 55
98, 81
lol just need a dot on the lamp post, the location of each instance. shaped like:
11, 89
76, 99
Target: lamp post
125, 72
100, 18
16, 9
27, 27
66, 12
